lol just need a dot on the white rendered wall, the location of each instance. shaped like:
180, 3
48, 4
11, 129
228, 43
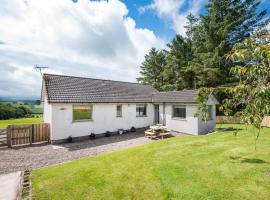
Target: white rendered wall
188, 125
104, 119
47, 113
206, 127
191, 125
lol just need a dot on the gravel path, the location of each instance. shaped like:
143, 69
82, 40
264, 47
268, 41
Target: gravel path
12, 160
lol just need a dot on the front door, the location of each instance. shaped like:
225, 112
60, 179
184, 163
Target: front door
156, 120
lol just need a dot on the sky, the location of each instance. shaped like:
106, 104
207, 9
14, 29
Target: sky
97, 39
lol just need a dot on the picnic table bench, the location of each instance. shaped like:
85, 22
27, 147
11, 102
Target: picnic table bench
157, 131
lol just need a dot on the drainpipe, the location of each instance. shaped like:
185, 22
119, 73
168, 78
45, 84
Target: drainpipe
164, 116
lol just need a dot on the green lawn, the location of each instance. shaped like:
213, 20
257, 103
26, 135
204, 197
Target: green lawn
5, 123
218, 166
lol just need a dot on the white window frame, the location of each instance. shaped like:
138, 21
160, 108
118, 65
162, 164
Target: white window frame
80, 120
141, 105
179, 106
210, 112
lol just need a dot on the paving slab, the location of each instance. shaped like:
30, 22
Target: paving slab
10, 185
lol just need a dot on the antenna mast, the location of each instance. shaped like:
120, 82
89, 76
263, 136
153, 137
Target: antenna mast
39, 68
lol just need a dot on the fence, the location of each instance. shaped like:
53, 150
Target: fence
236, 120
266, 121
3, 137
27, 134
228, 120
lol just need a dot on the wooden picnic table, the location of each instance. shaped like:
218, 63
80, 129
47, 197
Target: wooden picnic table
157, 131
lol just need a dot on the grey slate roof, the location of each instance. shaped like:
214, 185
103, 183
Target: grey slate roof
70, 89
183, 96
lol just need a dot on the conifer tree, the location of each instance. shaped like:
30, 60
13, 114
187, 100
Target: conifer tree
152, 69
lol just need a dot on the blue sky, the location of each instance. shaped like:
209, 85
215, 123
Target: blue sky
99, 39
149, 19
161, 27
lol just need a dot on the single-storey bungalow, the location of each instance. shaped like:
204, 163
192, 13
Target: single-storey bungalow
77, 107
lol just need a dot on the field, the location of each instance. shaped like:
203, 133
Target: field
5, 123
224, 165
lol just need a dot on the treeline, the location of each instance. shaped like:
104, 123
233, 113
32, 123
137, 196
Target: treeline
199, 59
8, 111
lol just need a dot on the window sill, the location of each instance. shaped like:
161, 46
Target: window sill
142, 116
119, 116
82, 120
179, 118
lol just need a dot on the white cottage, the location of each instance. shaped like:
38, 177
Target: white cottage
77, 107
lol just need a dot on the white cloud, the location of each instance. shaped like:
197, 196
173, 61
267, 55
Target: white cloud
169, 10
87, 38
268, 26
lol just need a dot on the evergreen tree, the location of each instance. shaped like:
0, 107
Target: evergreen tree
213, 35
176, 70
200, 57
152, 69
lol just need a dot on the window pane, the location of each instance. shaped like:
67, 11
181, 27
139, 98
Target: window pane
210, 111
141, 110
144, 110
179, 111
119, 110
82, 112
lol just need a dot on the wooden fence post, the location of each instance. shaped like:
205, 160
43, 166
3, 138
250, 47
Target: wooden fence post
9, 136
49, 133
31, 134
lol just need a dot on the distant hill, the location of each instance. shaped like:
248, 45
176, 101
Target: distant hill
30, 100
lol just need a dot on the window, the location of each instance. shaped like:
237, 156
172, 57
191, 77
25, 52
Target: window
119, 111
210, 113
141, 110
179, 111
82, 112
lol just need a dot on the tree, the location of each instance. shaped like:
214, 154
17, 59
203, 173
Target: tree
37, 102
8, 111
199, 58
152, 68
214, 34
176, 74
252, 92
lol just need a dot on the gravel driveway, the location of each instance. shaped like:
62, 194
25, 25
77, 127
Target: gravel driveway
12, 160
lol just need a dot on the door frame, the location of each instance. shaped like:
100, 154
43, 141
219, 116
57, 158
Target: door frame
156, 114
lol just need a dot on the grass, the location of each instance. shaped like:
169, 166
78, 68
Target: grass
5, 123
218, 166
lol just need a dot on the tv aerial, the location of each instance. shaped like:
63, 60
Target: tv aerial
39, 68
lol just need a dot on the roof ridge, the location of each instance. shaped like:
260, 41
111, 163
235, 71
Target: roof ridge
176, 91
94, 79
